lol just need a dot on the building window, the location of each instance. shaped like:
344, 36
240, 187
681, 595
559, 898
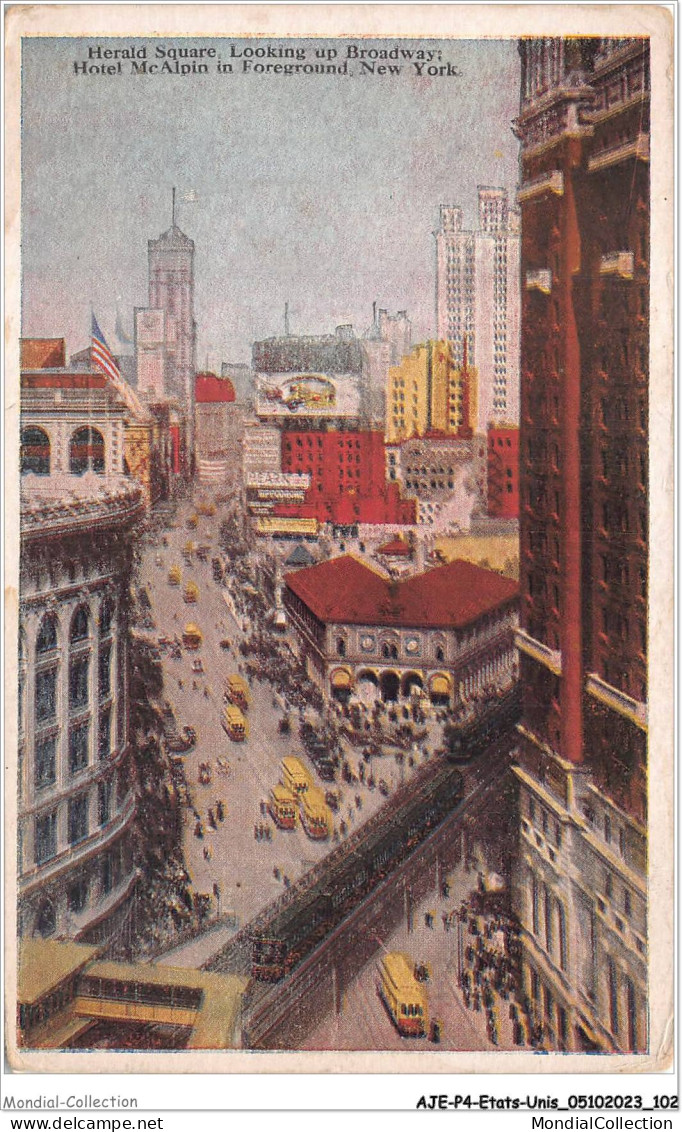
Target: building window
86, 451
78, 682
45, 762
79, 743
45, 837
440, 654
46, 640
561, 920
341, 646
104, 737
627, 903
607, 829
78, 819
46, 696
613, 996
106, 615
608, 886
35, 452
104, 794
535, 985
106, 877
562, 1027
104, 672
46, 922
549, 935
536, 906
80, 625
77, 895
631, 1008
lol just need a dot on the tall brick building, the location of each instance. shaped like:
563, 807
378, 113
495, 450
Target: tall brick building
348, 482
584, 197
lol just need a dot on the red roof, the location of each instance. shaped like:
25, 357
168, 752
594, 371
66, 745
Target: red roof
395, 546
43, 353
345, 591
210, 389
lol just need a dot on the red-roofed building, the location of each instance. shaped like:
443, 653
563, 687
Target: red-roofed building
396, 548
218, 429
43, 353
449, 632
211, 390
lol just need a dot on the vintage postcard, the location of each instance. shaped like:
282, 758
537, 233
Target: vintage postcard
338, 428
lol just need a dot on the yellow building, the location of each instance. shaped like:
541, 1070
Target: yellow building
427, 392
67, 996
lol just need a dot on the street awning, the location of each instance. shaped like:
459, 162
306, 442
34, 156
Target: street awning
440, 685
341, 679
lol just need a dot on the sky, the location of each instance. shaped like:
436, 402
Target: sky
322, 191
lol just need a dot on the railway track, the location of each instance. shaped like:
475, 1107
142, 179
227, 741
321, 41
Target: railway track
278, 1016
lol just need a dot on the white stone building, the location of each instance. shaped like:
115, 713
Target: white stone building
478, 299
76, 801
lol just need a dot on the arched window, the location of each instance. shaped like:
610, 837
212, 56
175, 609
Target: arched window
46, 640
35, 451
440, 653
341, 646
80, 625
86, 451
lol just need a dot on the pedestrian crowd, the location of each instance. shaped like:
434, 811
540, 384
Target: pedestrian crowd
489, 971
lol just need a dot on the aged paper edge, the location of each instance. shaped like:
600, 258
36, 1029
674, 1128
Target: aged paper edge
455, 21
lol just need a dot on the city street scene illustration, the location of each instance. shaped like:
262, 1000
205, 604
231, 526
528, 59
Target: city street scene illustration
332, 634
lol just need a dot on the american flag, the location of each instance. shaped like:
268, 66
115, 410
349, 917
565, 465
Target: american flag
101, 354
103, 358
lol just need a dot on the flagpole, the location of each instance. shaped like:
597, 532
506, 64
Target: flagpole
173, 225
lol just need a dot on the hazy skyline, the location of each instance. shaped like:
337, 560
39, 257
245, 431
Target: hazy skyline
322, 191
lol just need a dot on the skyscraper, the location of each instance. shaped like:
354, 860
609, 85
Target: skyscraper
477, 297
584, 198
171, 291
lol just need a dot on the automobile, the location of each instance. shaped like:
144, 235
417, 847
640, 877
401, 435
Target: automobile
178, 742
197, 665
225, 643
332, 799
162, 641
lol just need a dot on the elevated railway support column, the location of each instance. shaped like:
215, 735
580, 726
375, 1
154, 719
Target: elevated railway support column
407, 904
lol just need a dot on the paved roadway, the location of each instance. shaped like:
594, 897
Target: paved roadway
242, 866
363, 1022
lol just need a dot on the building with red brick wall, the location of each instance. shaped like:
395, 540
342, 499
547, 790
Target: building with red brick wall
348, 478
584, 196
503, 472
